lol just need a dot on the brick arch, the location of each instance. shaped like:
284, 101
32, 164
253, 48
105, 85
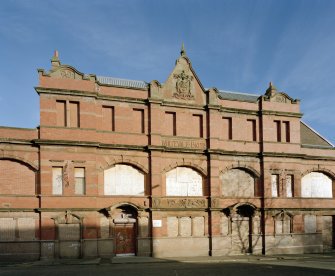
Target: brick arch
245, 168
187, 165
125, 161
125, 203
320, 170
17, 177
20, 160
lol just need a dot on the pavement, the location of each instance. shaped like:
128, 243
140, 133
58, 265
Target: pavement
305, 258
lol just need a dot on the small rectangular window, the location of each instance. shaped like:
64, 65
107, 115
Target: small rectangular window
252, 129
289, 185
278, 130
287, 131
74, 114
139, 120
108, 118
57, 180
198, 125
79, 176
227, 128
61, 113
310, 223
170, 124
275, 185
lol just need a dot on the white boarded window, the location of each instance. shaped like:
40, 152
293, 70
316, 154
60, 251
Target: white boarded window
183, 181
316, 184
289, 185
275, 185
123, 180
79, 177
238, 183
57, 180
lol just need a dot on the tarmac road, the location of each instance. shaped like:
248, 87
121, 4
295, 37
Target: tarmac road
266, 268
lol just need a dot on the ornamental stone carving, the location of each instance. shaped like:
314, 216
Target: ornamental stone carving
183, 86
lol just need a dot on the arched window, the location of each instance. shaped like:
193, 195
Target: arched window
239, 183
316, 184
16, 178
183, 181
123, 180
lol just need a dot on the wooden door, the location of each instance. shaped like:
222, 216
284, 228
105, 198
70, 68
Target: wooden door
125, 239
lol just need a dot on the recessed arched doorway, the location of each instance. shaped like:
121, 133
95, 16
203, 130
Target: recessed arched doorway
124, 220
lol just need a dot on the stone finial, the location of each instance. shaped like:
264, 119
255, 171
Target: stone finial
271, 90
55, 62
182, 51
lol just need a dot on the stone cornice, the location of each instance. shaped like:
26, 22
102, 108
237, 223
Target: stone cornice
281, 113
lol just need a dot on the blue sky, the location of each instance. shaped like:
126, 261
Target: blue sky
233, 45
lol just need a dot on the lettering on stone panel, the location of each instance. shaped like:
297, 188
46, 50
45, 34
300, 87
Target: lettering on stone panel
26, 227
7, 229
67, 74
186, 144
172, 226
186, 203
185, 224
280, 99
198, 226
104, 228
183, 86
69, 231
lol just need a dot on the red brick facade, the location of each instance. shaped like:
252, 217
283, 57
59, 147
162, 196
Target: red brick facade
127, 167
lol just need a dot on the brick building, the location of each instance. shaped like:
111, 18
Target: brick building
123, 167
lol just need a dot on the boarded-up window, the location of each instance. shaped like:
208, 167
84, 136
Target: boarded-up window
26, 228
108, 118
61, 113
283, 224
198, 226
123, 180
69, 232
7, 229
310, 223
74, 114
138, 118
197, 125
316, 184
289, 181
275, 185
172, 226
170, 127
79, 177
238, 183
104, 228
183, 181
227, 128
185, 225
57, 180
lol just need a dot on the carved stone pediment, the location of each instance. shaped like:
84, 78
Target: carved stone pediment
184, 89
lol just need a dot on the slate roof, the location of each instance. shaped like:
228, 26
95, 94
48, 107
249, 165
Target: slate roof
238, 96
122, 82
310, 137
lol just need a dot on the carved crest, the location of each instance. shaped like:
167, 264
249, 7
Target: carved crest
183, 86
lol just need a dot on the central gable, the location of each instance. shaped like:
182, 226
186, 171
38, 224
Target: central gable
182, 85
